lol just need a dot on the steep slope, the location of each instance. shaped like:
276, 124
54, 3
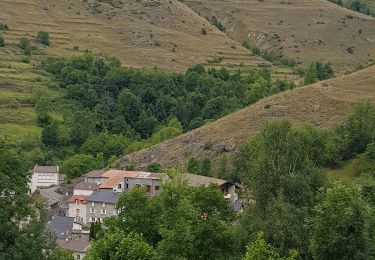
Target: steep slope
323, 104
142, 33
303, 30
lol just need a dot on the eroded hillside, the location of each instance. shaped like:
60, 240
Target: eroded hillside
163, 33
323, 104
303, 30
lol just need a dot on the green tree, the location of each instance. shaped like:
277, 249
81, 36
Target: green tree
138, 214
78, 164
193, 165
23, 226
118, 245
154, 167
260, 250
43, 37
51, 135
358, 130
342, 225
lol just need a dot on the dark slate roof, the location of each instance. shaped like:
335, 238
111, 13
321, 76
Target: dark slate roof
95, 173
104, 196
86, 186
60, 225
46, 169
79, 246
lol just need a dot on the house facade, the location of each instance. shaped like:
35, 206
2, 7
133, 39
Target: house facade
78, 208
125, 181
94, 176
101, 204
85, 188
226, 187
43, 177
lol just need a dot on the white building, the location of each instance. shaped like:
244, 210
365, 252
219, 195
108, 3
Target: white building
77, 208
43, 177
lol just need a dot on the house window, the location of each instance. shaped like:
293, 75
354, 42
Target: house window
157, 187
119, 186
92, 204
77, 212
78, 257
92, 219
103, 211
148, 188
115, 212
127, 185
103, 205
92, 210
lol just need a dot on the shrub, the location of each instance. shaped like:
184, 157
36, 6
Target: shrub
4, 27
43, 37
2, 41
246, 45
25, 45
154, 167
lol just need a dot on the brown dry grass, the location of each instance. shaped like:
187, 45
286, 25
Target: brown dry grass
323, 104
143, 33
305, 30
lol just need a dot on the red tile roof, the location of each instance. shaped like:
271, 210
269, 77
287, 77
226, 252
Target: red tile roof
81, 198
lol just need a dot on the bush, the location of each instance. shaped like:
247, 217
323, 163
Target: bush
43, 37
25, 45
154, 167
4, 27
2, 41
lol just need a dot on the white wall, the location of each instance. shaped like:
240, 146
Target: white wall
43, 180
72, 211
82, 192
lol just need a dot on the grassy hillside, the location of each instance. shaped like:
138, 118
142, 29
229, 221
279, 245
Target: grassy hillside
323, 104
304, 31
163, 33
21, 85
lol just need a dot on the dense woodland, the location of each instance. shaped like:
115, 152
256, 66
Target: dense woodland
105, 110
293, 210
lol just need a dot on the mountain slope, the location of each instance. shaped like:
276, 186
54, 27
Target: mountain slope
323, 104
142, 33
303, 30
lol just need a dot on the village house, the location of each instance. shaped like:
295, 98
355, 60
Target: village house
94, 176
79, 248
125, 181
43, 177
101, 204
226, 187
77, 208
70, 235
85, 188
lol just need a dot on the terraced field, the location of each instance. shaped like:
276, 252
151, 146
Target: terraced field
305, 31
163, 33
21, 85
